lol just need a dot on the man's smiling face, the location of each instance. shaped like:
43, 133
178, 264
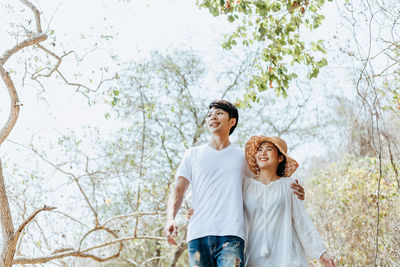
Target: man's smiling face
218, 121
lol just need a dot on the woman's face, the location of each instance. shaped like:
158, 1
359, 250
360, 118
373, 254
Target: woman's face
267, 156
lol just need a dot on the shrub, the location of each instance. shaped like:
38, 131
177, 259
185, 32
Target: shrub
342, 200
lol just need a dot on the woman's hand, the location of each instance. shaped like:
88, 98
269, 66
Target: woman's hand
326, 260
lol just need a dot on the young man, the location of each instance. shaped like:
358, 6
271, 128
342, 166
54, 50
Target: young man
216, 171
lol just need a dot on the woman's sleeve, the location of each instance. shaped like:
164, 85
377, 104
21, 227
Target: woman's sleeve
305, 229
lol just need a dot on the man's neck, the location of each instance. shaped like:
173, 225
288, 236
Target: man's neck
219, 142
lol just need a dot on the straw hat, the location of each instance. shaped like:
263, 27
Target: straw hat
254, 143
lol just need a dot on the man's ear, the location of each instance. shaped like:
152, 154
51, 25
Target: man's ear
232, 122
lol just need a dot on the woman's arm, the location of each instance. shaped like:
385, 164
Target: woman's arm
308, 234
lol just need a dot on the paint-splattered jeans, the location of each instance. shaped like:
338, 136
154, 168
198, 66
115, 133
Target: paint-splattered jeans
216, 251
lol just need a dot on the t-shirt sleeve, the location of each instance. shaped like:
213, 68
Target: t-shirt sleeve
305, 229
185, 167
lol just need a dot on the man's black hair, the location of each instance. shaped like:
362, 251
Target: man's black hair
228, 107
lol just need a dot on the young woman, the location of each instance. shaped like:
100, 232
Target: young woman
279, 232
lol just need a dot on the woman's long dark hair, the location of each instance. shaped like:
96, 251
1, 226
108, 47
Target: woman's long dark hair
280, 171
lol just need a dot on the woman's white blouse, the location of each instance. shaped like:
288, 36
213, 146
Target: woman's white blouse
278, 230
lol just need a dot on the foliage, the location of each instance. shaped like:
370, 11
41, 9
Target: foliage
343, 202
279, 29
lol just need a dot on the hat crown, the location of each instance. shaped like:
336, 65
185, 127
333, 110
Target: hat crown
281, 143
253, 145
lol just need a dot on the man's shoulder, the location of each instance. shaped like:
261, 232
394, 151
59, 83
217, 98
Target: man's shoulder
195, 149
198, 147
237, 148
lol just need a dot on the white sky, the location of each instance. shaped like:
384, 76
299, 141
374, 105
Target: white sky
141, 27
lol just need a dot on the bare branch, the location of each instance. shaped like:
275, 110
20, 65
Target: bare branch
73, 176
59, 60
72, 218
128, 238
28, 42
15, 105
29, 219
152, 259
5, 131
36, 13
137, 214
141, 156
82, 254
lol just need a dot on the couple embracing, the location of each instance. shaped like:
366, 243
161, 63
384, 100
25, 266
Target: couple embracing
246, 212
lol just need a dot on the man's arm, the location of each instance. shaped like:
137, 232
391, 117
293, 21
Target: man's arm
174, 203
299, 190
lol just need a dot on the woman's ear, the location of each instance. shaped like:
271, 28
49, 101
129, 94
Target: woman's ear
281, 157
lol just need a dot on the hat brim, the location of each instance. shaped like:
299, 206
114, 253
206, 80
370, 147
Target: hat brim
251, 149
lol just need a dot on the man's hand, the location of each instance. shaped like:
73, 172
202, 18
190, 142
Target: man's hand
299, 190
174, 203
189, 214
326, 260
171, 231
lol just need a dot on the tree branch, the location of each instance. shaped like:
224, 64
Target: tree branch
141, 157
30, 218
59, 60
14, 107
177, 253
137, 214
36, 13
28, 42
82, 254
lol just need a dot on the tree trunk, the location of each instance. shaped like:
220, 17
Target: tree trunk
9, 241
178, 252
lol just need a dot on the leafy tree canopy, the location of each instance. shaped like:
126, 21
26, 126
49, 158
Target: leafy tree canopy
275, 29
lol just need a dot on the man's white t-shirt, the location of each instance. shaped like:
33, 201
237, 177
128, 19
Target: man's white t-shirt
216, 178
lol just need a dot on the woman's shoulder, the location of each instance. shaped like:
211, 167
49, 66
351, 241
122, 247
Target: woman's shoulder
288, 180
247, 181
250, 184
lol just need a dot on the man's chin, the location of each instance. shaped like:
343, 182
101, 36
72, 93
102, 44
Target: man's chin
214, 131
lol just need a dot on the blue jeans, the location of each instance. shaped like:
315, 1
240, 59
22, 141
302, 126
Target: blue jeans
216, 251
